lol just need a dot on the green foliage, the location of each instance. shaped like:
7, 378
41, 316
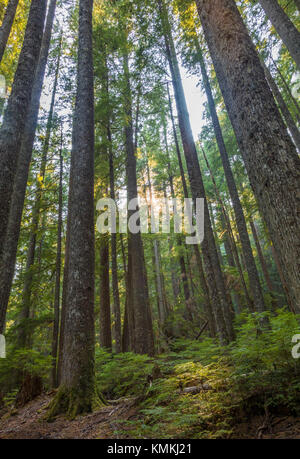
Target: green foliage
256, 372
118, 375
21, 361
263, 363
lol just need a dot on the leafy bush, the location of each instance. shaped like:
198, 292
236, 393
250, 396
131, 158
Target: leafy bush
18, 363
263, 363
122, 374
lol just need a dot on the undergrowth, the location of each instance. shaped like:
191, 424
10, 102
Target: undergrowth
255, 373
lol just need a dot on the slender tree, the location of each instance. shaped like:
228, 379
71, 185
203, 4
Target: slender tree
6, 25
56, 318
36, 213
284, 27
105, 316
290, 123
17, 108
7, 264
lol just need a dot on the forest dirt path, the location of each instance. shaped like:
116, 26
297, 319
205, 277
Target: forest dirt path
28, 422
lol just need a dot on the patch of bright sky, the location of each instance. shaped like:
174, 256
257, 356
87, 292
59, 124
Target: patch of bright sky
195, 101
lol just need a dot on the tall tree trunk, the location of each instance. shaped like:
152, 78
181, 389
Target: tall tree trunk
269, 154
182, 264
203, 280
128, 327
105, 318
114, 263
114, 269
283, 279
230, 234
56, 318
64, 295
212, 218
230, 248
29, 274
143, 331
284, 27
77, 387
6, 25
290, 123
161, 297
7, 263
254, 281
222, 308
263, 263
17, 108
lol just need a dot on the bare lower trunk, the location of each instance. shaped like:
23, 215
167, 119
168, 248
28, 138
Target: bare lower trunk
269, 154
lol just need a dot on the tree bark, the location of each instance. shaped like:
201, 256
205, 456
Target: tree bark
17, 108
284, 27
77, 387
6, 25
7, 263
56, 308
268, 152
222, 308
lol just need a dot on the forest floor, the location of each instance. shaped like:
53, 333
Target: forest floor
29, 423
